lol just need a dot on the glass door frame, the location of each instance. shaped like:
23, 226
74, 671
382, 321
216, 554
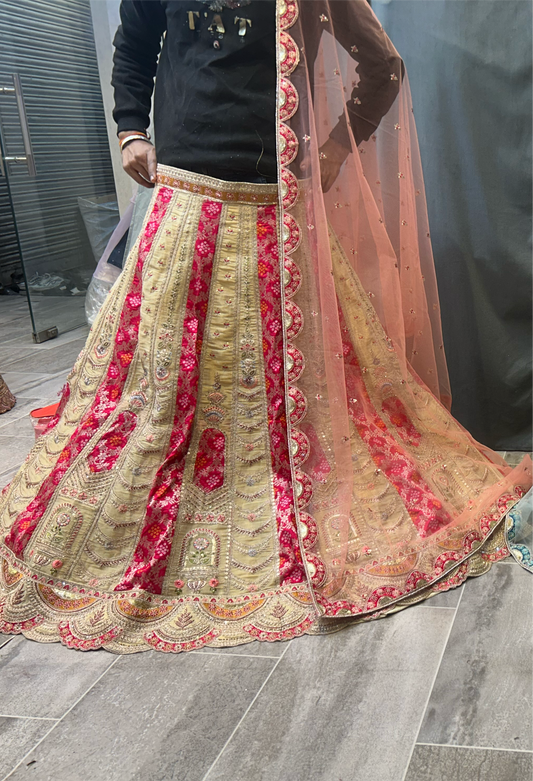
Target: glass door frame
29, 160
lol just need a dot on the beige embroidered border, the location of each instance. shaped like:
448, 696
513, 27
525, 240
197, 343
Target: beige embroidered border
217, 189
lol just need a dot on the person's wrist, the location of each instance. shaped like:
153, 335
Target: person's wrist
126, 140
334, 151
124, 133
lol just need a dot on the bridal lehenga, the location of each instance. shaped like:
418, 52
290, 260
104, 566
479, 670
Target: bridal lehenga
255, 442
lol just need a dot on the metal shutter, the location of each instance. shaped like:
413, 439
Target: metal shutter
50, 44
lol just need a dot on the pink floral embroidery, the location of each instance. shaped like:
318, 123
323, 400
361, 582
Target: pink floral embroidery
108, 393
291, 565
398, 416
425, 509
105, 454
276, 364
149, 561
209, 465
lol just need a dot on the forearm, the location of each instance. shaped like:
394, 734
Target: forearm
379, 67
137, 46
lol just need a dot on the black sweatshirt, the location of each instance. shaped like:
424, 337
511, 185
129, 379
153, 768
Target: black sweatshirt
214, 107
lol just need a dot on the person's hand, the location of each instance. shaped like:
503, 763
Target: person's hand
139, 160
332, 156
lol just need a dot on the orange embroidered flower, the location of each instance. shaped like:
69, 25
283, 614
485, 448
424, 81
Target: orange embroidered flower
263, 229
155, 531
25, 524
125, 358
116, 440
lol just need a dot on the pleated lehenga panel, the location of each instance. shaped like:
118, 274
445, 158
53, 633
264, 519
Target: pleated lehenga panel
159, 510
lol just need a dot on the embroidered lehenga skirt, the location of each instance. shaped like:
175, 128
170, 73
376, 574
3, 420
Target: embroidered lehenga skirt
161, 509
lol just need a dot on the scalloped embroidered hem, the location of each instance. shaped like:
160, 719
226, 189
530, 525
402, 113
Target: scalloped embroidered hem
130, 625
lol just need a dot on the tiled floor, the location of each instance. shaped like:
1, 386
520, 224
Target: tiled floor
439, 692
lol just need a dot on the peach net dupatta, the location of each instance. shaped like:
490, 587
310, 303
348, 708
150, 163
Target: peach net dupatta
358, 265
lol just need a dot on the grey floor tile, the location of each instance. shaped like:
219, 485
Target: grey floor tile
346, 706
10, 353
19, 339
13, 451
44, 386
60, 311
16, 318
4, 639
49, 391
76, 334
17, 335
10, 305
8, 313
22, 409
16, 331
7, 354
482, 694
446, 763
514, 457
272, 650
7, 477
39, 679
17, 737
153, 717
21, 427
22, 381
445, 599
56, 359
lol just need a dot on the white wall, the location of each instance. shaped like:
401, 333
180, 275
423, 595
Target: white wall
105, 14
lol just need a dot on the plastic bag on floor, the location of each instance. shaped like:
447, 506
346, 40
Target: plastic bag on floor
100, 216
96, 295
110, 265
106, 273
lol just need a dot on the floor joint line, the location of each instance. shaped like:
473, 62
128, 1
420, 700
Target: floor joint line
479, 748
445, 646
34, 718
228, 741
228, 653
27, 754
